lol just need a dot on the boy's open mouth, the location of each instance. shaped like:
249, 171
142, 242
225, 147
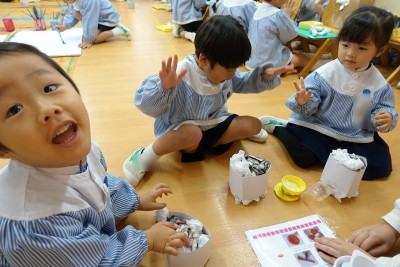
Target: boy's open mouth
65, 134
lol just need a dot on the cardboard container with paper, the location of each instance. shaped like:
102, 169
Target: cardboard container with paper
340, 180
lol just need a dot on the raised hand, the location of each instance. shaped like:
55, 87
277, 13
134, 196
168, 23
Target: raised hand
289, 8
302, 95
168, 76
148, 201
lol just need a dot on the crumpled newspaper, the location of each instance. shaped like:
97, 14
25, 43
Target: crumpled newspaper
350, 161
248, 165
191, 227
343, 3
341, 176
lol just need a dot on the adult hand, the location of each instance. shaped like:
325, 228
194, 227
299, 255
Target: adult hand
332, 248
376, 239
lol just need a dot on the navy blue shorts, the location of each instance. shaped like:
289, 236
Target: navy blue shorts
377, 152
104, 28
192, 26
210, 137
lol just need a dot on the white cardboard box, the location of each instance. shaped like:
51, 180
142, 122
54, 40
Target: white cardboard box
197, 258
341, 179
248, 188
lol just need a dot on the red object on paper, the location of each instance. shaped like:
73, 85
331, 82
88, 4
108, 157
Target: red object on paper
8, 24
293, 239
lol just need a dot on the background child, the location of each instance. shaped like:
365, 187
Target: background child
187, 17
321, 118
189, 100
100, 21
311, 10
243, 11
374, 240
270, 30
58, 204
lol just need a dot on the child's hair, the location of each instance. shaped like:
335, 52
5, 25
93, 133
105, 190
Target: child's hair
10, 48
368, 22
223, 40
214, 6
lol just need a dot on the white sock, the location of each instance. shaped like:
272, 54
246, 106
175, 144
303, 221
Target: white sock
149, 155
190, 36
117, 31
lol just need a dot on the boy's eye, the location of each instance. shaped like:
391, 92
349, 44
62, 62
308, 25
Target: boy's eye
50, 88
14, 110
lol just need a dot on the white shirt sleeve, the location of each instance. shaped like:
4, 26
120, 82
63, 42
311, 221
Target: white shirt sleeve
388, 262
393, 217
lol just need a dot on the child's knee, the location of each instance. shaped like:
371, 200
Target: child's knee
255, 125
190, 134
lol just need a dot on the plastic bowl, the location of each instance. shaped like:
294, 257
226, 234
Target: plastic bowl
293, 185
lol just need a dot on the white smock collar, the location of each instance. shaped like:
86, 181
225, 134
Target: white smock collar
28, 193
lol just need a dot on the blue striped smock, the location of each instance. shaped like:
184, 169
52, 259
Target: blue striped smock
242, 10
187, 11
269, 32
45, 227
334, 91
195, 99
93, 12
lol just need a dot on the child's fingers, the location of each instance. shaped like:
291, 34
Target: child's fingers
327, 257
302, 83
161, 185
289, 67
156, 206
170, 250
175, 62
183, 237
163, 67
181, 74
163, 190
299, 86
383, 128
169, 64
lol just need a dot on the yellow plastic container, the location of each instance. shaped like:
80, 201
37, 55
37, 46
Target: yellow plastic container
306, 25
164, 28
290, 188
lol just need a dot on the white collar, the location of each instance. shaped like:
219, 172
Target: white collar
350, 82
28, 193
197, 79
